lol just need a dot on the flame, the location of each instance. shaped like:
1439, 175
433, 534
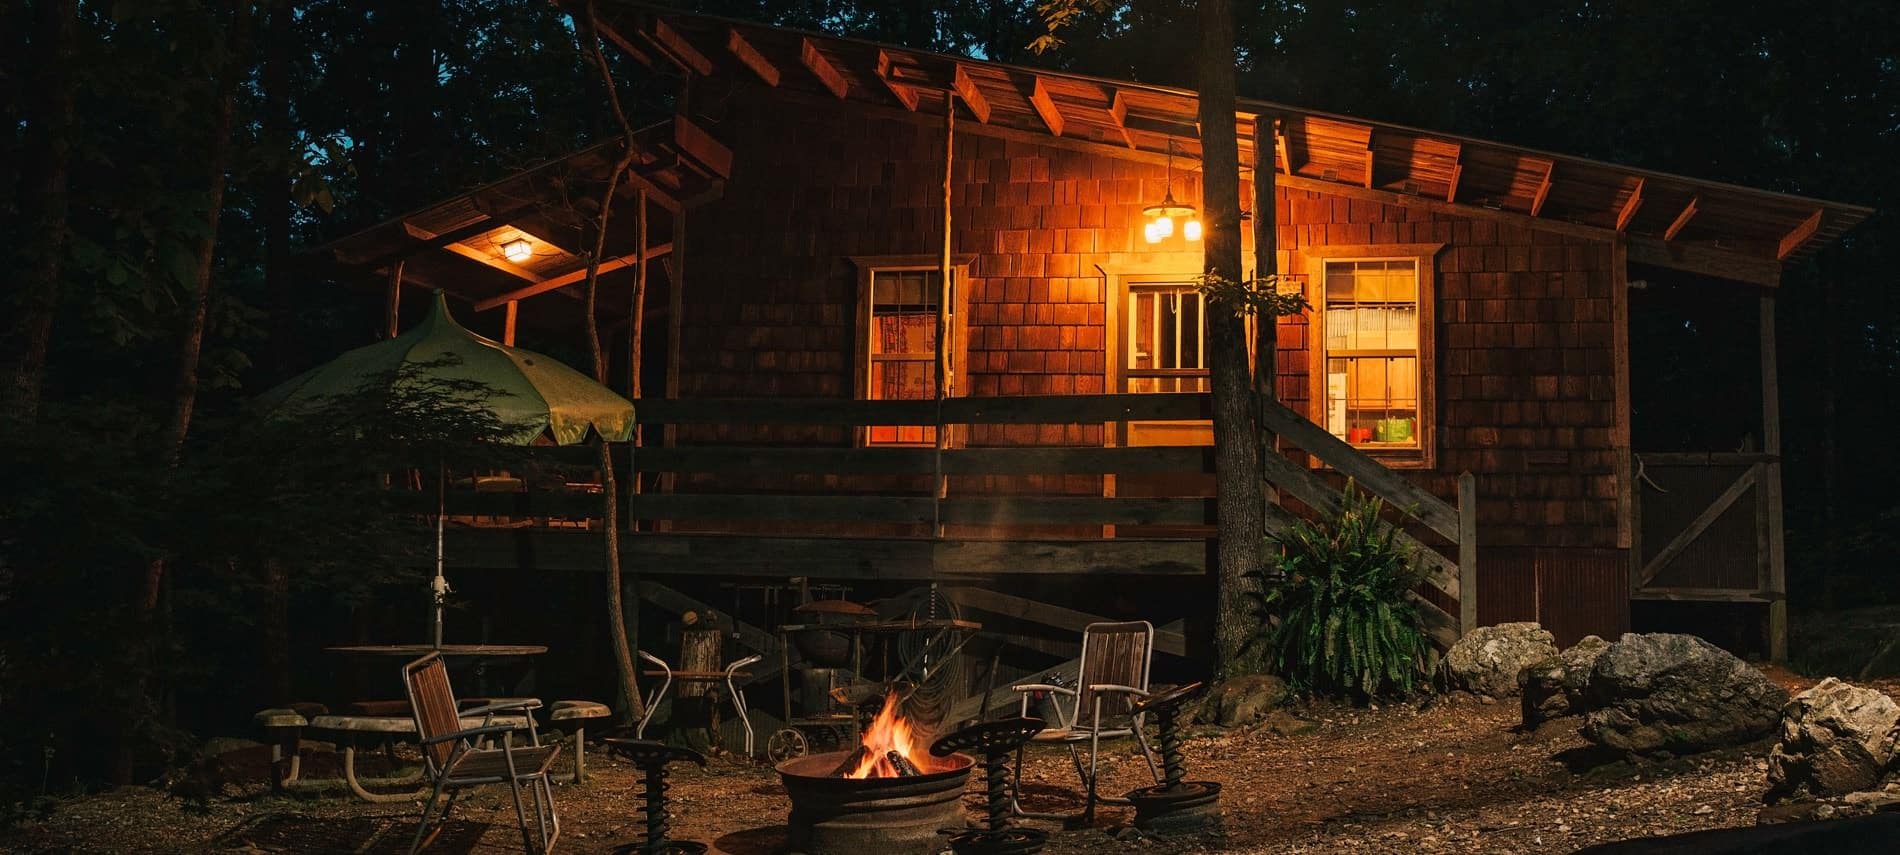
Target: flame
890, 731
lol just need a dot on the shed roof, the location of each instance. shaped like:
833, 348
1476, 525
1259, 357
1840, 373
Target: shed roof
456, 245
1672, 220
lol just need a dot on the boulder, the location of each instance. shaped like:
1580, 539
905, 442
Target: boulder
1835, 739
1553, 688
1487, 660
1662, 692
1243, 699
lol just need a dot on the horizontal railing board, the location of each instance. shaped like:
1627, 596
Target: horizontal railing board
1304, 485
1705, 458
848, 558
754, 507
1021, 409
535, 503
1367, 472
775, 460
986, 510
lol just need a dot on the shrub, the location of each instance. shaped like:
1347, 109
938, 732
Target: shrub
1345, 625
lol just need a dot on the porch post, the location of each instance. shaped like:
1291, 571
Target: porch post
1266, 265
508, 323
1771, 486
946, 304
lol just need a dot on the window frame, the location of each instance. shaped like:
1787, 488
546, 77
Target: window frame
955, 327
1424, 255
1120, 279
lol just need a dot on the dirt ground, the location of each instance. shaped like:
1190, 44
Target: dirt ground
1450, 775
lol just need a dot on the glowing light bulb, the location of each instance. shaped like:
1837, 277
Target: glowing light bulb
1164, 226
517, 250
1148, 231
1191, 230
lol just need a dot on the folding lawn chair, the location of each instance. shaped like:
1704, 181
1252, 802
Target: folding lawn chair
1114, 674
458, 758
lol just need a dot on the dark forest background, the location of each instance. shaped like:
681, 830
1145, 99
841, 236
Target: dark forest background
169, 163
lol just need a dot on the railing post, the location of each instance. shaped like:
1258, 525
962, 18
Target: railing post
1467, 553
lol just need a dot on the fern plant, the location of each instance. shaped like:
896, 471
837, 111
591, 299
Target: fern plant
1345, 623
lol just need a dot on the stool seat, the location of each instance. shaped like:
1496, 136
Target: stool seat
570, 710
280, 717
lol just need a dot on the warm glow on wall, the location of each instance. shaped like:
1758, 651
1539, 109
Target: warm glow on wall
517, 250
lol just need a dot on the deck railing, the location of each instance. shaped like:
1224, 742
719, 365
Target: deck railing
1444, 534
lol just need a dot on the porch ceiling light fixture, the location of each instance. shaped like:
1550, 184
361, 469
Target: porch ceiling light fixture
517, 250
1161, 217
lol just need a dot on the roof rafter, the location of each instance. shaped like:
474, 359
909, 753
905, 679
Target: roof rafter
1543, 189
675, 46
749, 56
1046, 107
1791, 243
821, 68
972, 96
886, 72
1118, 111
1371, 158
1630, 205
1682, 219
1457, 173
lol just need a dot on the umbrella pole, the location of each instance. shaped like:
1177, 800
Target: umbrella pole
439, 586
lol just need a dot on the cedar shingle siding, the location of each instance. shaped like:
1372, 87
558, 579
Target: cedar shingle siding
1524, 361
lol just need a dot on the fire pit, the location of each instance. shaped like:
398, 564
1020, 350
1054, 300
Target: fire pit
889, 795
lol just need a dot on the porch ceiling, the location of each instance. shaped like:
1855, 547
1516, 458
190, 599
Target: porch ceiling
1668, 219
456, 245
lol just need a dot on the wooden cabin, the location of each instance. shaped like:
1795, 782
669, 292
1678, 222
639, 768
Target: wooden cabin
827, 220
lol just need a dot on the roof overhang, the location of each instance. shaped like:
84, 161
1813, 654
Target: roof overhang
1669, 220
461, 245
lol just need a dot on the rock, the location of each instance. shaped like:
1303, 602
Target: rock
1243, 699
1487, 660
1553, 687
1660, 692
1835, 739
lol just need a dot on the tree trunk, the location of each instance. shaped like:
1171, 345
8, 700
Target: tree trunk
616, 611
1236, 459
274, 202
46, 156
185, 394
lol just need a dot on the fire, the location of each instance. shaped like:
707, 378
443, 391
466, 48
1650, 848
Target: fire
891, 732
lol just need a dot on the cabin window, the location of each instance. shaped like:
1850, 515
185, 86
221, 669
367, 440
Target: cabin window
1166, 346
1374, 368
902, 337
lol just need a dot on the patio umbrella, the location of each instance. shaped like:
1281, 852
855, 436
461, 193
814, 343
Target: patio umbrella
535, 393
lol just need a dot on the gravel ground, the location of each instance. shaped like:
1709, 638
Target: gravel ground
1454, 775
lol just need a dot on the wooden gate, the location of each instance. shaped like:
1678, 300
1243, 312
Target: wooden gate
1709, 527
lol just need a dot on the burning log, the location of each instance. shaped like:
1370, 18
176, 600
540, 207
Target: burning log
850, 764
905, 768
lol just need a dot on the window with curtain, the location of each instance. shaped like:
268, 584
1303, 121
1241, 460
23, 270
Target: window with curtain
903, 348
1372, 358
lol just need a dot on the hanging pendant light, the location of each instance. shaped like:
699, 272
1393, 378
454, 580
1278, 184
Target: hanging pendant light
1161, 217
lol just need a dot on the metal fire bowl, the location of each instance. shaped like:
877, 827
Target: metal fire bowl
858, 816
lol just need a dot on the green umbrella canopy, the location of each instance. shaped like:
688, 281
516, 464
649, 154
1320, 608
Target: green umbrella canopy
532, 390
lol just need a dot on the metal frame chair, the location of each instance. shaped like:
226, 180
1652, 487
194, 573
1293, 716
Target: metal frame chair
1114, 674
732, 688
458, 758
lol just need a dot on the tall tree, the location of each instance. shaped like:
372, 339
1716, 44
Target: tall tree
1236, 454
43, 207
616, 609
